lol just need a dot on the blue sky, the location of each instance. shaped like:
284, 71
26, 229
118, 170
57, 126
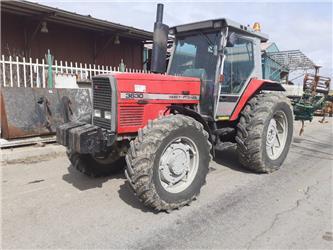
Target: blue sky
292, 25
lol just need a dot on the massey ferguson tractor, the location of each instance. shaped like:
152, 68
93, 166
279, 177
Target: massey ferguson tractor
167, 126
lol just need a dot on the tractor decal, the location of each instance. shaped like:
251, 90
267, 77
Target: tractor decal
158, 96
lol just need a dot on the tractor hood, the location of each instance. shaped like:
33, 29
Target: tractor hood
157, 88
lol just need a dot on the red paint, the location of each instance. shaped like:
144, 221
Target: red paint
133, 115
252, 87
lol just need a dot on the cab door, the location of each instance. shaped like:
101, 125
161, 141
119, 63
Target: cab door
240, 59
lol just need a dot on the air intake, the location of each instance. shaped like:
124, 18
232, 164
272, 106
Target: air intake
131, 116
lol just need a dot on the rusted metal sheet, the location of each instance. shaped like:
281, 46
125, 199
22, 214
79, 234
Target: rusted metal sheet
29, 112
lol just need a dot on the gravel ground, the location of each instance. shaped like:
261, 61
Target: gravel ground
48, 204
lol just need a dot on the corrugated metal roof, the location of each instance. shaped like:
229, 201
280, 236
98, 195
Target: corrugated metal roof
292, 59
38, 11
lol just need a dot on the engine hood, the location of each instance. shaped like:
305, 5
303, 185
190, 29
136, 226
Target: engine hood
157, 87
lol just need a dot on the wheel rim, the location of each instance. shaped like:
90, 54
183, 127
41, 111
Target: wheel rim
178, 165
277, 133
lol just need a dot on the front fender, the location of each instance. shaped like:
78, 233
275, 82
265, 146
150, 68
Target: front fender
195, 115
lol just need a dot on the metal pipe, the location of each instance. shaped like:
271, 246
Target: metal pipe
160, 41
159, 13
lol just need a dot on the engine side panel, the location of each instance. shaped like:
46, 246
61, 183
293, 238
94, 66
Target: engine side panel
143, 97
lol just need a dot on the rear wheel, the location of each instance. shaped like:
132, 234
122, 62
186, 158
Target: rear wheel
96, 166
264, 132
168, 162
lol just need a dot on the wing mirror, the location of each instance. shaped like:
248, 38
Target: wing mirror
231, 40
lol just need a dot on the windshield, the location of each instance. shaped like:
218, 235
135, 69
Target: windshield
196, 56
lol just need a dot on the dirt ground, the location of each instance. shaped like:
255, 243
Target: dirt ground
47, 204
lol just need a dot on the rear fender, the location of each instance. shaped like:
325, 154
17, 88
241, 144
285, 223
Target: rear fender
254, 86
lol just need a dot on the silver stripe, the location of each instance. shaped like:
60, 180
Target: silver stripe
147, 96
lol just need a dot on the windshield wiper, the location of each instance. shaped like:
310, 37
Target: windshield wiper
207, 39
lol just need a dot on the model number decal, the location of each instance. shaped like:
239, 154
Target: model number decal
158, 96
131, 95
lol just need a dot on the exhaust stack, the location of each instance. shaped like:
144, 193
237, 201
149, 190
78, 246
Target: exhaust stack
160, 41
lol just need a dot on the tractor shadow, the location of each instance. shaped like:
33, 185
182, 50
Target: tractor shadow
127, 195
83, 182
229, 158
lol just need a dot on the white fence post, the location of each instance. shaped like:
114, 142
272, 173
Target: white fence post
24, 73
81, 69
37, 76
76, 69
66, 67
43, 72
61, 68
4, 71
31, 73
71, 65
11, 71
17, 72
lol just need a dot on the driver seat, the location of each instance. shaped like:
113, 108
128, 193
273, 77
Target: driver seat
207, 89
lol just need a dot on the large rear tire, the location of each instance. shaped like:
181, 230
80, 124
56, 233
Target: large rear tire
168, 162
95, 167
264, 132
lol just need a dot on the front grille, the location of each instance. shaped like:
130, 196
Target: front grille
131, 115
102, 122
102, 94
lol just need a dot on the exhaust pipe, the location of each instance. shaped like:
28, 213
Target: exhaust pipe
160, 41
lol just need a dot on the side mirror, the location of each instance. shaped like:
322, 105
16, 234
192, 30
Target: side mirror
231, 41
215, 50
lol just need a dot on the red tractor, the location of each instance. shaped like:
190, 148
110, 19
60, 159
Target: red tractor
168, 126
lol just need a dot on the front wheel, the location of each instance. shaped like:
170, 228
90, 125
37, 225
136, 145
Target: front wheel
264, 132
168, 162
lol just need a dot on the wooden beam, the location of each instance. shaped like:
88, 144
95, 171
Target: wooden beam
106, 44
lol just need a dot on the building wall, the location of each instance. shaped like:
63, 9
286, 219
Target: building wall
66, 43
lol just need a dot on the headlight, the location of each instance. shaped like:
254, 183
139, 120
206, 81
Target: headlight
107, 115
97, 113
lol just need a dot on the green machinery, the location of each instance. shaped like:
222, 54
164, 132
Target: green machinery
315, 93
279, 64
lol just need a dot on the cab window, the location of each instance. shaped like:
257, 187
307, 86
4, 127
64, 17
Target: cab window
238, 64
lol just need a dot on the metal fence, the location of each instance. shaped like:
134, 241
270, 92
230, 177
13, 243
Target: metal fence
22, 72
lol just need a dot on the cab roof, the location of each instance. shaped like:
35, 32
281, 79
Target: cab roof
218, 24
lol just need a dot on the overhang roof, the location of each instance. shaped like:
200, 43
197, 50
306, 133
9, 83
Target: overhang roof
38, 11
292, 59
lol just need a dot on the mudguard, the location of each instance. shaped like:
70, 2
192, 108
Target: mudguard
254, 86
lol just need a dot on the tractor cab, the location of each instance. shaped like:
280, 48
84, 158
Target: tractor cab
225, 55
